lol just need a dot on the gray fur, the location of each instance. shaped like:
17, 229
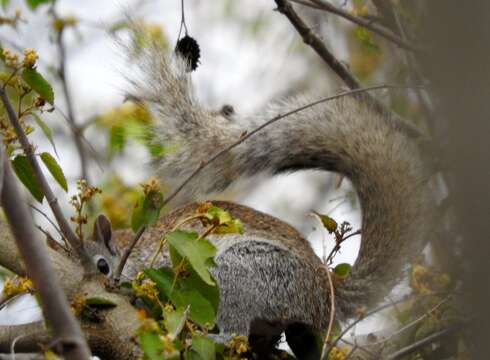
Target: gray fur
269, 281
259, 281
344, 135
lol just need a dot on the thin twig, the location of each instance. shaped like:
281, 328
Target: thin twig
49, 220
336, 248
424, 342
81, 130
127, 252
332, 314
70, 236
351, 352
373, 312
360, 347
5, 299
412, 323
326, 6
54, 304
244, 137
415, 74
76, 131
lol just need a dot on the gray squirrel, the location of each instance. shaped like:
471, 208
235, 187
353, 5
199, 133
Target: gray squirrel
270, 279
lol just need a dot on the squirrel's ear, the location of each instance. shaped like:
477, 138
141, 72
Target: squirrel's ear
103, 232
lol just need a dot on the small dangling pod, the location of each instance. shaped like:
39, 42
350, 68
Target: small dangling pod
187, 47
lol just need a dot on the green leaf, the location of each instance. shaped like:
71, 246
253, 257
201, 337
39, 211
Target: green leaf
117, 139
199, 253
174, 321
201, 309
204, 346
234, 226
137, 216
147, 210
46, 131
25, 173
218, 214
100, 302
329, 223
39, 84
221, 217
193, 281
209, 292
152, 345
342, 270
54, 169
163, 277
33, 4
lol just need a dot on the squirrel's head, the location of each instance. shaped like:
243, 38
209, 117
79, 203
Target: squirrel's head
101, 249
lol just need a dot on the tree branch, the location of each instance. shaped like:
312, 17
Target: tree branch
112, 338
424, 342
285, 8
72, 239
27, 337
55, 307
76, 130
326, 6
127, 252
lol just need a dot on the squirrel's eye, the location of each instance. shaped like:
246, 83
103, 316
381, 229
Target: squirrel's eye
103, 266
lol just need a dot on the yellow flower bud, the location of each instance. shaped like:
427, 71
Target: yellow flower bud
30, 57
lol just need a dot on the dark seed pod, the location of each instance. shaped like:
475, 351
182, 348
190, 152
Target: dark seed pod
188, 48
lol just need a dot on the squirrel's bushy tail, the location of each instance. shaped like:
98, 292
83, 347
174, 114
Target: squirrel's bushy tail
345, 135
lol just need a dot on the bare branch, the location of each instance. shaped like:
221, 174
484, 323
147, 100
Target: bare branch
72, 239
412, 323
424, 342
54, 304
326, 6
373, 312
43, 214
127, 252
28, 337
76, 130
351, 352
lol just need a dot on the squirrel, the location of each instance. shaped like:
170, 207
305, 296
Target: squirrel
271, 281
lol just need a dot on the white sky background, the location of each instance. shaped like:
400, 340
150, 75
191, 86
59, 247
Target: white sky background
237, 67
